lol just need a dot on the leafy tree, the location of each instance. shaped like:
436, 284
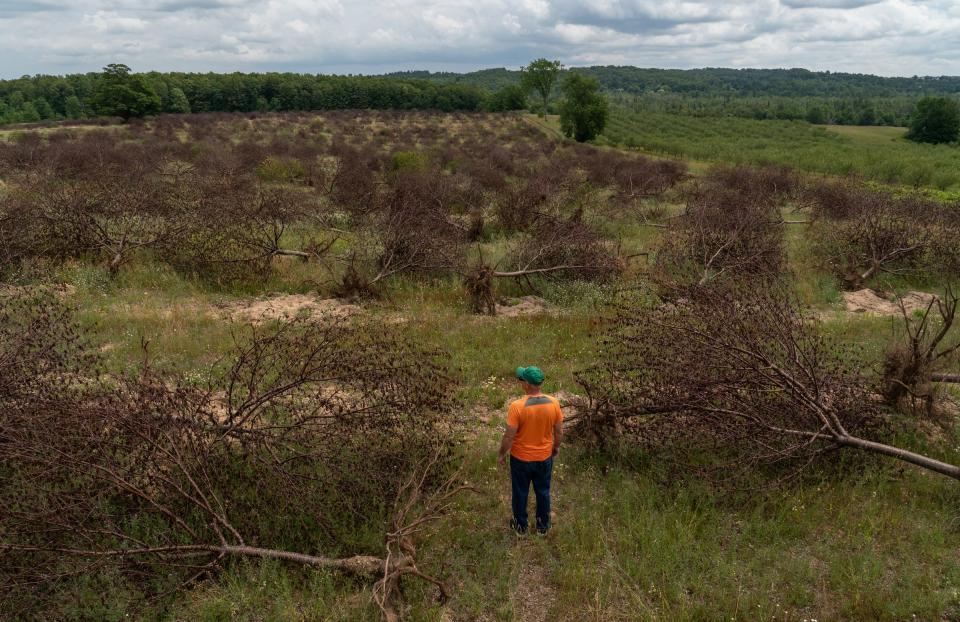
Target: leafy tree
178, 101
510, 97
28, 113
44, 109
540, 76
122, 94
935, 120
583, 111
73, 107
816, 115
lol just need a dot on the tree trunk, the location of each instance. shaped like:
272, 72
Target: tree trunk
901, 454
951, 378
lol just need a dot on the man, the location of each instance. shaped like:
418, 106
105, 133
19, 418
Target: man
533, 435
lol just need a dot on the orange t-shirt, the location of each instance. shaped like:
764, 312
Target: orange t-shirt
534, 417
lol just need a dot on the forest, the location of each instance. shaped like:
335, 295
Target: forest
784, 94
46, 98
794, 94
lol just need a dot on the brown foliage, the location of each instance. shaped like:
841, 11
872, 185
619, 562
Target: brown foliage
909, 365
863, 233
730, 227
163, 482
738, 375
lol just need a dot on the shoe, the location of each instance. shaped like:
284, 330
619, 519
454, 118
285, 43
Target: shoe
520, 531
542, 531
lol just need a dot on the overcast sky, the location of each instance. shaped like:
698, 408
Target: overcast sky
885, 37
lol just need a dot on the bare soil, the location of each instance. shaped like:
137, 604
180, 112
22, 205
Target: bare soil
289, 306
534, 595
869, 301
525, 305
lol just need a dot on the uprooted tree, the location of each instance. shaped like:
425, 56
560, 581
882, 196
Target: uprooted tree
730, 227
913, 364
162, 482
411, 231
862, 233
741, 372
552, 248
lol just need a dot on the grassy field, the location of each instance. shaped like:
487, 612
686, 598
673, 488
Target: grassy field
868, 134
881, 544
819, 149
633, 539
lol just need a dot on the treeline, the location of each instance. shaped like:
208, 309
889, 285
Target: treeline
41, 98
894, 111
785, 94
719, 81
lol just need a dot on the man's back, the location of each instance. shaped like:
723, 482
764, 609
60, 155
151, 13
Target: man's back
534, 417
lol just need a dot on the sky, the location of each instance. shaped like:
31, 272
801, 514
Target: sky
883, 37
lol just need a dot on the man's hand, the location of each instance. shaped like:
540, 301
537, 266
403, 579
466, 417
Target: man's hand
557, 438
505, 444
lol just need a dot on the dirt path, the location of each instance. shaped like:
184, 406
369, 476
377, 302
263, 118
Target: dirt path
533, 596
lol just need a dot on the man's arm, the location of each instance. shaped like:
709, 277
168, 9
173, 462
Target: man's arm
505, 444
557, 438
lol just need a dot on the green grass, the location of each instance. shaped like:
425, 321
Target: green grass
879, 154
878, 546
881, 543
868, 134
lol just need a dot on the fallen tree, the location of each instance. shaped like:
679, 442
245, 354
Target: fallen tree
738, 374
551, 248
912, 365
863, 233
730, 228
161, 482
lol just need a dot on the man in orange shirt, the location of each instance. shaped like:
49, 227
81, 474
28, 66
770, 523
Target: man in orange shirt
533, 435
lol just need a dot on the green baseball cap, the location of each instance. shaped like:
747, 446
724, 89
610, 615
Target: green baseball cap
532, 374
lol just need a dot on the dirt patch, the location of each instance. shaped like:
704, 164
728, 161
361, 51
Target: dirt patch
289, 306
869, 301
534, 596
525, 305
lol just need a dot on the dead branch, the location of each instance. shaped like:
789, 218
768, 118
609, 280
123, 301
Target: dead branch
735, 370
910, 366
310, 420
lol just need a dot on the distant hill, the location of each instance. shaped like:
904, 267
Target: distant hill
720, 81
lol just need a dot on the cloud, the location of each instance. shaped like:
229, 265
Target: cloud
889, 37
13, 8
829, 4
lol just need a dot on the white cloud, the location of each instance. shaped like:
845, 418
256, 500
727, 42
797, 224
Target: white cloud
889, 37
103, 21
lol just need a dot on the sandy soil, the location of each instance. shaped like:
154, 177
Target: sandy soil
869, 301
288, 306
526, 305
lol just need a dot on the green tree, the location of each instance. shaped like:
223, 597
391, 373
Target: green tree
540, 76
816, 115
583, 111
122, 94
73, 107
935, 120
28, 113
510, 97
44, 109
178, 101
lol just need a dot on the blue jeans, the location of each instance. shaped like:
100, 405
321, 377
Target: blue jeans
522, 473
